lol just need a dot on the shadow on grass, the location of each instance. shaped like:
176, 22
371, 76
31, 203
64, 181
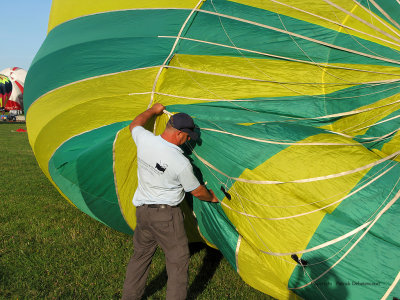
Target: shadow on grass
210, 264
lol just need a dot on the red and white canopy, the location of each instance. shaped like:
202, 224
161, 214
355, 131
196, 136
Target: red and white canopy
17, 77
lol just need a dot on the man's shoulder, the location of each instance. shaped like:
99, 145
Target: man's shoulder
139, 132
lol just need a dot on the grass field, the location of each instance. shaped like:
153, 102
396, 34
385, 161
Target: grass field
51, 250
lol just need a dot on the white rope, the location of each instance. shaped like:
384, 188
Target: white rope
391, 288
300, 36
299, 180
386, 15
316, 210
291, 262
274, 98
355, 244
354, 232
334, 22
368, 10
358, 40
172, 51
252, 63
361, 20
381, 122
354, 127
273, 55
286, 199
281, 143
281, 82
206, 89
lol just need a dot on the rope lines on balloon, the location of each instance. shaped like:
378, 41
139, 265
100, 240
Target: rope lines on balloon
277, 56
300, 36
392, 286
312, 211
232, 42
281, 82
383, 12
172, 51
364, 180
208, 90
319, 246
361, 85
370, 165
337, 23
357, 40
295, 143
239, 49
328, 243
323, 69
381, 122
395, 198
270, 98
235, 45
352, 233
253, 64
354, 128
361, 20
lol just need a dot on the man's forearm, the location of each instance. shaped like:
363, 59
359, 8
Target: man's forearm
204, 194
141, 119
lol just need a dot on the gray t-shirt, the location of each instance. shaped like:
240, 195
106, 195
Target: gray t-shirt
164, 173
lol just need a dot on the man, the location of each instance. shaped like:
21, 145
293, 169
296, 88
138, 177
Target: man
164, 175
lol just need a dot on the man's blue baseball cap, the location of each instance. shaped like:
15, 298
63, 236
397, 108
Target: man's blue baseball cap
184, 122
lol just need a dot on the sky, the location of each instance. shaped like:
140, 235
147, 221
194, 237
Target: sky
24, 28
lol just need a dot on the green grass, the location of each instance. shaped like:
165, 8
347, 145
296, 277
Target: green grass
51, 250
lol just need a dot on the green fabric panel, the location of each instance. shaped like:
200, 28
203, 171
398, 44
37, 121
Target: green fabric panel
216, 228
370, 268
82, 169
208, 27
101, 44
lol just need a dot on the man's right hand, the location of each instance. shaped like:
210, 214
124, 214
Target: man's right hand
214, 198
140, 120
204, 194
158, 108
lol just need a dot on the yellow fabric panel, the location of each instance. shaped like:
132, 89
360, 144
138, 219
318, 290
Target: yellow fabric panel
47, 107
267, 276
62, 11
325, 10
355, 124
125, 167
76, 108
125, 174
197, 85
283, 200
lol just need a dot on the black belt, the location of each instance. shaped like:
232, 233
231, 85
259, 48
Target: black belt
159, 205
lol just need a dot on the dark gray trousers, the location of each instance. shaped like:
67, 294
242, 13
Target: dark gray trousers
163, 227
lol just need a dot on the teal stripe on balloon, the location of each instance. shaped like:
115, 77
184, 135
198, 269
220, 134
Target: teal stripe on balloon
218, 29
101, 44
83, 170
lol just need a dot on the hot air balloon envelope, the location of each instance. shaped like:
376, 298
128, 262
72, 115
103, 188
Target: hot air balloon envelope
298, 108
